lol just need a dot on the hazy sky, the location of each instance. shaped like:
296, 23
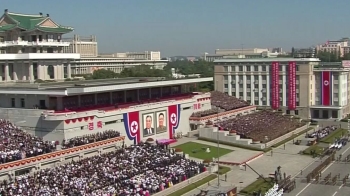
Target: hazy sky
192, 27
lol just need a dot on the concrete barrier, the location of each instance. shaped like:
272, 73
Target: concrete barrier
288, 135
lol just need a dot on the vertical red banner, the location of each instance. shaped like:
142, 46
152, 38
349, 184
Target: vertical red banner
292, 85
326, 88
275, 85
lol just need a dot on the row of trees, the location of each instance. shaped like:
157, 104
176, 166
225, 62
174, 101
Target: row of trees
332, 56
205, 69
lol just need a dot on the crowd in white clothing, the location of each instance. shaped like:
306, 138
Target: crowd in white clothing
139, 170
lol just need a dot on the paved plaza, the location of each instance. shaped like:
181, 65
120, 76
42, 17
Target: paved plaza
287, 156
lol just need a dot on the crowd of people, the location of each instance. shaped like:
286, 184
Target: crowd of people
221, 101
16, 144
321, 133
261, 126
226, 102
90, 138
141, 170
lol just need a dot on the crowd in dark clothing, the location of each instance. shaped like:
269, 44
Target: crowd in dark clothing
321, 133
139, 170
223, 102
90, 138
16, 144
226, 102
261, 125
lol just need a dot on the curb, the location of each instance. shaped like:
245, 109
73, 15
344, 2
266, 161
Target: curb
244, 162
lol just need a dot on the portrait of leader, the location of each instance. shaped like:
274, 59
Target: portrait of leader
161, 122
148, 124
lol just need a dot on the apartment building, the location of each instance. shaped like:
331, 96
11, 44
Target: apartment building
298, 86
340, 47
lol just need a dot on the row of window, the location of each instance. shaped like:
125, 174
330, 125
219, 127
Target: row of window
22, 103
257, 68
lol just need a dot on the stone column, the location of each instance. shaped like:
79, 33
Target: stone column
69, 71
7, 74
39, 71
14, 71
31, 75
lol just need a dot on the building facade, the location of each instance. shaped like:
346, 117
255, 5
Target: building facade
250, 53
147, 55
340, 47
89, 65
297, 86
63, 110
85, 46
31, 48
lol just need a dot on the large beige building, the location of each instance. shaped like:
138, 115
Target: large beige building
239, 53
340, 47
304, 87
85, 46
31, 48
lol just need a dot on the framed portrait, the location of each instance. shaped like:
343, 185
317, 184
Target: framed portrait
161, 122
148, 124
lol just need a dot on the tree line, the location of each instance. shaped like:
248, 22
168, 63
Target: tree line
185, 67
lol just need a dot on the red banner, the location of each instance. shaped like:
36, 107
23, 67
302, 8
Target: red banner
275, 85
326, 88
292, 86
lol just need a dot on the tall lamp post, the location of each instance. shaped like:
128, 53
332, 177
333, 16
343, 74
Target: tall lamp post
217, 135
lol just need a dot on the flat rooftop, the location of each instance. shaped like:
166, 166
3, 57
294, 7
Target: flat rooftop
92, 86
258, 60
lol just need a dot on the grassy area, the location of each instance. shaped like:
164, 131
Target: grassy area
292, 137
259, 184
316, 148
194, 185
222, 170
198, 150
336, 134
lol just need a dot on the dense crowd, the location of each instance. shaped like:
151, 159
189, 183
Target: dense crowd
223, 102
16, 144
226, 102
321, 133
205, 113
139, 170
260, 124
90, 138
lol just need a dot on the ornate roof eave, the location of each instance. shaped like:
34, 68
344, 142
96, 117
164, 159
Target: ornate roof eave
38, 28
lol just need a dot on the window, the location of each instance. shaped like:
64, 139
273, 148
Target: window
50, 71
256, 102
288, 112
225, 77
240, 68
23, 103
23, 50
296, 112
248, 68
226, 85
263, 68
264, 77
256, 68
226, 68
13, 102
334, 114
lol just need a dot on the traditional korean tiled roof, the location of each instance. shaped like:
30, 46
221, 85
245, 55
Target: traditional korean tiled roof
30, 23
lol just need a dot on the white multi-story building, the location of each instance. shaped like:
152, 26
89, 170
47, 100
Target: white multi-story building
31, 48
300, 86
340, 47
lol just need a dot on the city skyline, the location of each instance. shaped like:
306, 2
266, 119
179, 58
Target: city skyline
194, 27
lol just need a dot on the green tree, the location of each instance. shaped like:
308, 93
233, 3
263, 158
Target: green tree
103, 74
328, 56
144, 71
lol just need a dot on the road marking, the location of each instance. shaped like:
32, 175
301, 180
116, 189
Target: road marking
302, 190
312, 162
341, 186
335, 193
345, 151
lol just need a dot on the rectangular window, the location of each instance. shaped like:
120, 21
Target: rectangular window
23, 103
296, 112
13, 102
